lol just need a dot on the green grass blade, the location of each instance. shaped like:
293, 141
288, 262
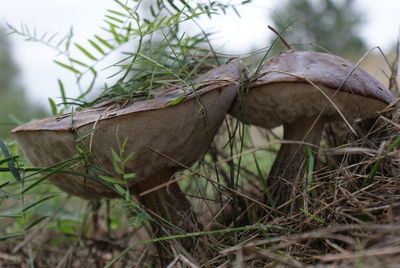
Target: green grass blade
38, 170
372, 174
53, 106
310, 169
5, 160
114, 19
35, 222
115, 156
4, 184
220, 231
9, 236
104, 42
86, 52
120, 190
97, 47
37, 203
86, 134
62, 91
8, 194
394, 144
178, 99
313, 216
72, 69
81, 63
116, 12
11, 162
111, 179
11, 215
52, 172
376, 165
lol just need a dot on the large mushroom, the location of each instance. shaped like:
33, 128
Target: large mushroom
162, 136
302, 91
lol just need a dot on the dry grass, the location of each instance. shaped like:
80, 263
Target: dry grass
349, 223
349, 218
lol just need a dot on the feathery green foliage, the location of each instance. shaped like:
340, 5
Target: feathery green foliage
154, 48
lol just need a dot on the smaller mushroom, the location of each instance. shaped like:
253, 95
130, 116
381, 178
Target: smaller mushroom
162, 137
303, 91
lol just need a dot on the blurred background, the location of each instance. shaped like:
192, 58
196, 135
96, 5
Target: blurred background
28, 74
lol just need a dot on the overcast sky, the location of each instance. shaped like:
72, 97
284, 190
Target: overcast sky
39, 74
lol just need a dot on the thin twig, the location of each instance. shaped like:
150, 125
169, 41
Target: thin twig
281, 38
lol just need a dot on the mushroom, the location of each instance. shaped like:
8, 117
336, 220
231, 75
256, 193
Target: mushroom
162, 136
304, 90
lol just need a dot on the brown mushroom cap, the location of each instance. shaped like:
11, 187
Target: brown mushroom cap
302, 91
177, 131
281, 94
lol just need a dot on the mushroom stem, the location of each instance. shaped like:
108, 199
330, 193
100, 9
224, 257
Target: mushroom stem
286, 175
169, 203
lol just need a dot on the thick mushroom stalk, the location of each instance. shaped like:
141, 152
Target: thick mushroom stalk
285, 179
170, 204
180, 132
295, 89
